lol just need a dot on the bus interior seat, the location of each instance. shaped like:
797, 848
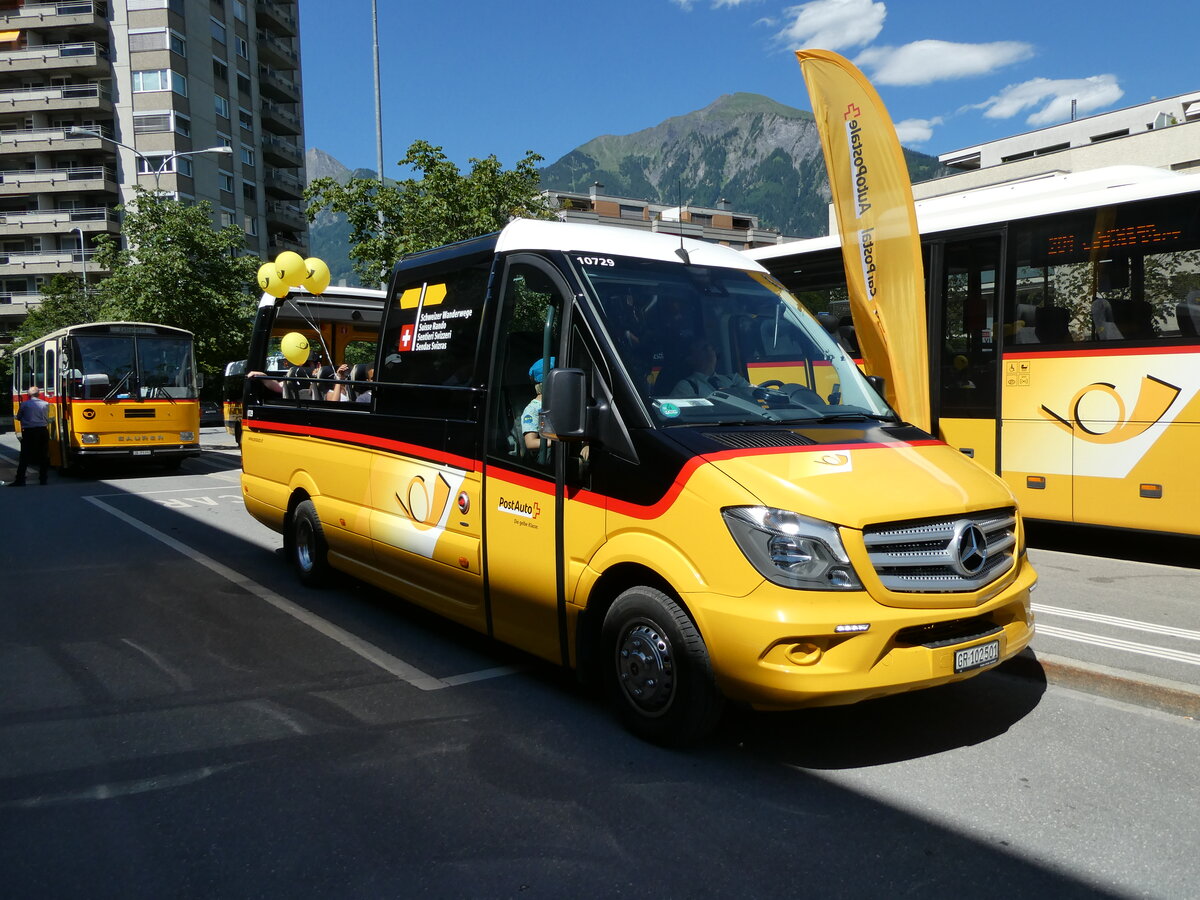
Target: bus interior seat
1188, 315
358, 374
291, 389
1051, 325
516, 390
95, 386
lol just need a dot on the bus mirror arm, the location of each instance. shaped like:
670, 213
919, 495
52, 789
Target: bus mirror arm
877, 382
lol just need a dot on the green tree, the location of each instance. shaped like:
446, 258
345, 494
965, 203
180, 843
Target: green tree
177, 269
440, 206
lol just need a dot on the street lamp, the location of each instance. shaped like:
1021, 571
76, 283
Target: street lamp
162, 168
82, 258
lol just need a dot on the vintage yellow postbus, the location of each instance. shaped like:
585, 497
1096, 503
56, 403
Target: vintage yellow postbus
558, 443
117, 390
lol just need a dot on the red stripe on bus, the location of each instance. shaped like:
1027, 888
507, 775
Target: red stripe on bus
364, 440
1103, 351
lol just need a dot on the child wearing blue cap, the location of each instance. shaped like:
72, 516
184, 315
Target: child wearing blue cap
529, 418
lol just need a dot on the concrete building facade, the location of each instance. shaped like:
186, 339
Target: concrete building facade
99, 95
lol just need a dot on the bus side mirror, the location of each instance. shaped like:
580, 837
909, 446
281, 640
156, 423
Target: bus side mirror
564, 415
877, 382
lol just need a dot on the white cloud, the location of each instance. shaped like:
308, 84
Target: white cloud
832, 24
1051, 98
924, 62
916, 131
716, 4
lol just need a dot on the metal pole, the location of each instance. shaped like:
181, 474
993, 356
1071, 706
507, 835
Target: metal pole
378, 94
82, 258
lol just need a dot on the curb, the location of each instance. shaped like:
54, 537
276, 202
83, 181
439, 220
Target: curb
1162, 694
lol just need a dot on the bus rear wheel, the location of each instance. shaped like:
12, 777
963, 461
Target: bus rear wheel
307, 546
657, 672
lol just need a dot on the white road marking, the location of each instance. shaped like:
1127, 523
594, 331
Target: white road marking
365, 649
1117, 621
1097, 640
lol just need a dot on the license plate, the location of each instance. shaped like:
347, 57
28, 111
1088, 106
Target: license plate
141, 452
976, 657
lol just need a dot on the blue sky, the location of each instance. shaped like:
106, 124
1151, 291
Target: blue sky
481, 77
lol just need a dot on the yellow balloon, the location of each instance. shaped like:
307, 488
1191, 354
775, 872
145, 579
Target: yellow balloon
291, 268
294, 347
266, 276
318, 275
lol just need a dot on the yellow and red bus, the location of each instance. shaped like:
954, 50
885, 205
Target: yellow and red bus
1064, 313
117, 390
540, 455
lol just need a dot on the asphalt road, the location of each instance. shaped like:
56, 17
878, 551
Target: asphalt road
179, 717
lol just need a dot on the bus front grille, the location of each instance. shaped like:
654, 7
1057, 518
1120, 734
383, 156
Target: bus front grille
943, 555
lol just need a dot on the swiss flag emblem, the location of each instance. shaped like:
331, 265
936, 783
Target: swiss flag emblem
406, 337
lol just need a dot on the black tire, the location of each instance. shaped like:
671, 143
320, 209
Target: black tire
306, 545
656, 669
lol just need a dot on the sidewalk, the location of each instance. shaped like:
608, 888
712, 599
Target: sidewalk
1121, 628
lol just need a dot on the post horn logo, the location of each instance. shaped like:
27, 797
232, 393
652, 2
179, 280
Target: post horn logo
1153, 401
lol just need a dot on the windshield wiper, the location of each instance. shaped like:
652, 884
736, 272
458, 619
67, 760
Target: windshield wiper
856, 417
117, 387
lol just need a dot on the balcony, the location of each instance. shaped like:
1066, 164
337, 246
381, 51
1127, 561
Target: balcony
277, 85
42, 221
76, 13
280, 117
43, 181
85, 56
42, 262
281, 214
18, 303
86, 97
281, 241
279, 17
283, 183
282, 152
277, 51
47, 140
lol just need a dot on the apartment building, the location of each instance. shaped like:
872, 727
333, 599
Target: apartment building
719, 224
198, 98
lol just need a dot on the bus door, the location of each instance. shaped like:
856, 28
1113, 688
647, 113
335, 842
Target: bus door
963, 351
528, 480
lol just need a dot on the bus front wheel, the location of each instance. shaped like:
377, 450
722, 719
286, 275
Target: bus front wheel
657, 672
309, 551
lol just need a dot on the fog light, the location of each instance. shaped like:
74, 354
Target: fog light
840, 578
89, 439
187, 435
804, 653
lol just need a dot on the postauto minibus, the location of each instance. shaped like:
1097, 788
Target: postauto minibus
561, 445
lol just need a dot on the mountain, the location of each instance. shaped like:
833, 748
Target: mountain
763, 157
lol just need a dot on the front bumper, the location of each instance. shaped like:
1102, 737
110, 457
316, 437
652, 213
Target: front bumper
780, 649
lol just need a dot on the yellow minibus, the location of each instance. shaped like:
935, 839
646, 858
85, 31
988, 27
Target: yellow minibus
558, 442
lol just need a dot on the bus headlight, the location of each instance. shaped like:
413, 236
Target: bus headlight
89, 438
187, 436
792, 550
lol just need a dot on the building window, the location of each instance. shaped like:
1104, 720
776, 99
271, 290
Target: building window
243, 82
222, 105
147, 80
218, 32
243, 49
249, 193
250, 225
183, 125
220, 71
226, 217
247, 156
225, 181
163, 164
632, 212
224, 140
145, 124
246, 118
239, 10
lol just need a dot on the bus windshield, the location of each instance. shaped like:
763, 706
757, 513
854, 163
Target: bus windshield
711, 345
123, 366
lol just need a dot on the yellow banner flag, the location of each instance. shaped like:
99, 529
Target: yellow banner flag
881, 248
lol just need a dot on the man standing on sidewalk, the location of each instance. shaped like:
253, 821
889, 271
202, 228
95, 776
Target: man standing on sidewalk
34, 416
